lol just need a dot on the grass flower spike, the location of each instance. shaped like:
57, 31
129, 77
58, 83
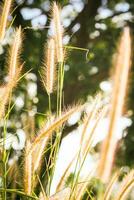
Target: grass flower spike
58, 32
4, 18
14, 69
118, 95
53, 127
28, 170
50, 70
14, 62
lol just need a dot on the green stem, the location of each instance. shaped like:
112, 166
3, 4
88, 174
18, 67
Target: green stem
5, 155
49, 104
75, 180
17, 192
59, 110
58, 88
61, 87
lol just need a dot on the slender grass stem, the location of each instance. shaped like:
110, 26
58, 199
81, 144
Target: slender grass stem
5, 155
49, 102
55, 150
76, 178
58, 86
20, 193
61, 86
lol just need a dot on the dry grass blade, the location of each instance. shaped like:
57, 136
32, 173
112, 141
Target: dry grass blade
90, 117
58, 32
63, 194
118, 95
28, 169
37, 154
64, 176
127, 185
83, 186
13, 177
42, 196
87, 146
37, 158
88, 142
110, 186
53, 127
4, 18
49, 67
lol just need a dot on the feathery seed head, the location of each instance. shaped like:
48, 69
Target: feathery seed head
37, 154
119, 91
28, 169
4, 18
14, 70
45, 132
58, 31
50, 69
14, 63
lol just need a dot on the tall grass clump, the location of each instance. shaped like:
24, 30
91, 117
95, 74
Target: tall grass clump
33, 175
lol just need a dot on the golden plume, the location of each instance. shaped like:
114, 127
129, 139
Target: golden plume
4, 18
45, 132
58, 32
118, 95
37, 154
49, 67
14, 62
14, 69
28, 169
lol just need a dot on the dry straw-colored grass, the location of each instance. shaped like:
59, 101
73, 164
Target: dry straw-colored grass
49, 69
14, 69
126, 186
4, 18
44, 132
58, 32
28, 169
122, 67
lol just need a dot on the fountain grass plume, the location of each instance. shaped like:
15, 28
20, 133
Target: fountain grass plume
58, 32
48, 130
14, 69
4, 18
28, 169
122, 67
49, 69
